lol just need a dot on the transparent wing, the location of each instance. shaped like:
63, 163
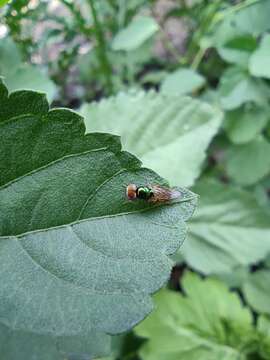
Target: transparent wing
162, 194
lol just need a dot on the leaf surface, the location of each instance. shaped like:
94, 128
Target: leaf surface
209, 323
182, 81
250, 20
135, 34
244, 124
76, 257
19, 75
238, 50
161, 130
259, 61
248, 163
229, 229
257, 291
237, 88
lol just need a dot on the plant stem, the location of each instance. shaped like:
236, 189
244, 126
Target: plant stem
101, 43
80, 21
167, 43
213, 21
197, 59
220, 16
205, 25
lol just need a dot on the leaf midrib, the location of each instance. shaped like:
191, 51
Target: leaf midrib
102, 217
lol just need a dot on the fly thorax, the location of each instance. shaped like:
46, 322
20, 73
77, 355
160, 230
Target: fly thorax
144, 193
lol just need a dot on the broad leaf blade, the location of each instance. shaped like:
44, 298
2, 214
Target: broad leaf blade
237, 88
182, 81
208, 323
257, 291
250, 20
259, 61
161, 130
80, 258
238, 50
135, 34
18, 75
244, 124
229, 229
247, 163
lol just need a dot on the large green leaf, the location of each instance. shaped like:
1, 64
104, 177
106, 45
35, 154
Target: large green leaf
259, 61
238, 50
235, 278
252, 19
249, 163
229, 229
237, 87
135, 34
244, 124
182, 81
209, 323
19, 75
257, 291
76, 256
160, 129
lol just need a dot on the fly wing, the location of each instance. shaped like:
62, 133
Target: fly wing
162, 194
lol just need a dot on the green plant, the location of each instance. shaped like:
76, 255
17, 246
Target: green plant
213, 325
77, 251
106, 68
218, 144
19, 75
3, 2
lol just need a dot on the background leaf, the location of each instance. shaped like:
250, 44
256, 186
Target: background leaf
161, 136
238, 50
257, 291
213, 325
259, 61
247, 164
252, 20
237, 87
135, 34
19, 75
235, 278
182, 81
229, 229
263, 328
246, 123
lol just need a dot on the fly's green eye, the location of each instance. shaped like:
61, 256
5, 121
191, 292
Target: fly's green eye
144, 193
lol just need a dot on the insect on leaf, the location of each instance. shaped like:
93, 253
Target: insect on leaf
77, 257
